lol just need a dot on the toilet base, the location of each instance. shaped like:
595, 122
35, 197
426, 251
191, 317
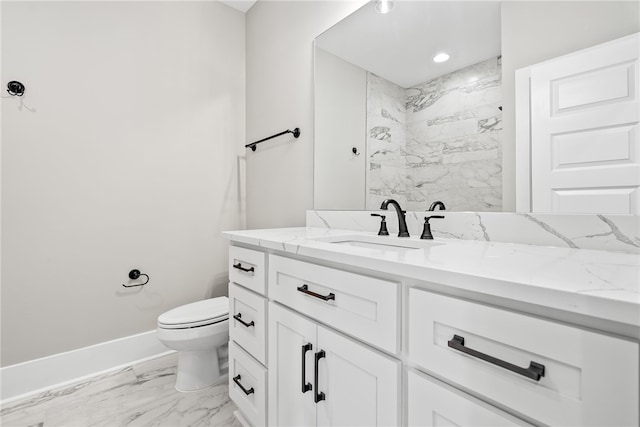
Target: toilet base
197, 370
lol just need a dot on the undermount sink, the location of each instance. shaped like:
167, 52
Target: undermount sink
385, 243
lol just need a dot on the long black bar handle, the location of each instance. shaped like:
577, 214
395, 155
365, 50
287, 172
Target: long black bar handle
305, 385
535, 370
317, 397
240, 267
295, 132
237, 379
238, 317
305, 290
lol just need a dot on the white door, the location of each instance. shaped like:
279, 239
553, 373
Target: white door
584, 131
288, 336
361, 386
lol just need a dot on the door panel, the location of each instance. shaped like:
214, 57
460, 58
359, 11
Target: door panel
288, 333
584, 131
361, 385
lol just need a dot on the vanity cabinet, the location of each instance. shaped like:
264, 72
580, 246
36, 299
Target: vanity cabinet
324, 343
320, 377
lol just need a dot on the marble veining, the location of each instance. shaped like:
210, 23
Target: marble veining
139, 395
441, 137
618, 233
599, 284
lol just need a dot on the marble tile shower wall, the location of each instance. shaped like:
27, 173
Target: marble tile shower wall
386, 141
439, 140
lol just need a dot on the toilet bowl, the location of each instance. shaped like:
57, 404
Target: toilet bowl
196, 331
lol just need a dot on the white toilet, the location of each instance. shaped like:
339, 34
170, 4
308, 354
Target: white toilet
196, 331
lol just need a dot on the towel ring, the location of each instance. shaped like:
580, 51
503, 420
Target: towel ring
133, 275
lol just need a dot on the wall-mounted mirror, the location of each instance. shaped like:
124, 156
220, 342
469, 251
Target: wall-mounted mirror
390, 122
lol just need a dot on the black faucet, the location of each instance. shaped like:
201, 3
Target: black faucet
437, 204
402, 221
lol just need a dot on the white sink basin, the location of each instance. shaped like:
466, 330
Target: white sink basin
385, 243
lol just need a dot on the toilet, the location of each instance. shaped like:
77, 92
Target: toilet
197, 331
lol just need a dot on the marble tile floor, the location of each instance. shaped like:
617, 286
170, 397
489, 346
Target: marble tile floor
139, 395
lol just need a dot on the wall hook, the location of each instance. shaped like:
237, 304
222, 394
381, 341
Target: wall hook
133, 275
15, 88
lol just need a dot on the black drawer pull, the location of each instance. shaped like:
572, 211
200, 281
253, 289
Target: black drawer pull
238, 317
317, 397
240, 267
305, 385
305, 290
534, 371
236, 380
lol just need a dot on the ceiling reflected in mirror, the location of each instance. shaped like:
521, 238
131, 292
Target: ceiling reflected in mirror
400, 46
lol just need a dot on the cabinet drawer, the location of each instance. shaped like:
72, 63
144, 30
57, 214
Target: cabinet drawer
248, 321
247, 268
432, 403
589, 378
247, 385
362, 306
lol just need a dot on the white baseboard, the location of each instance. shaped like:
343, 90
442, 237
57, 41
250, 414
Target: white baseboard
23, 379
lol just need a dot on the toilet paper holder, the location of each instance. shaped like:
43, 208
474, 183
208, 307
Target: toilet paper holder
133, 275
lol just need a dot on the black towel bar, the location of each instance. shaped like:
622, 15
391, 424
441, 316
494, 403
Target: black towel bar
295, 132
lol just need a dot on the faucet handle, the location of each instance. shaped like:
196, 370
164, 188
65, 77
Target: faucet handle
383, 225
426, 230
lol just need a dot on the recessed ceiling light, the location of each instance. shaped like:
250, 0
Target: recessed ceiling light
441, 57
384, 6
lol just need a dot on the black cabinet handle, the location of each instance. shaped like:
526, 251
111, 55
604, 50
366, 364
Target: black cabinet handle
534, 371
317, 397
236, 380
240, 267
305, 385
238, 317
305, 290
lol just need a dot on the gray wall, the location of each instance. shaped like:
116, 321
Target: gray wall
280, 96
280, 85
340, 124
128, 159
534, 31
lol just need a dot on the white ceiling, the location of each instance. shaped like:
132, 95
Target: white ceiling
241, 5
399, 46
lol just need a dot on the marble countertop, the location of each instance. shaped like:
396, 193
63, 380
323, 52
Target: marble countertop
599, 284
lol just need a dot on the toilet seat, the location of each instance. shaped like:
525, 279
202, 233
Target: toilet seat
201, 313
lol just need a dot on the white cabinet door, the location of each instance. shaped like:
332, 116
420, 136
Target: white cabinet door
355, 385
361, 386
434, 404
584, 131
292, 341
